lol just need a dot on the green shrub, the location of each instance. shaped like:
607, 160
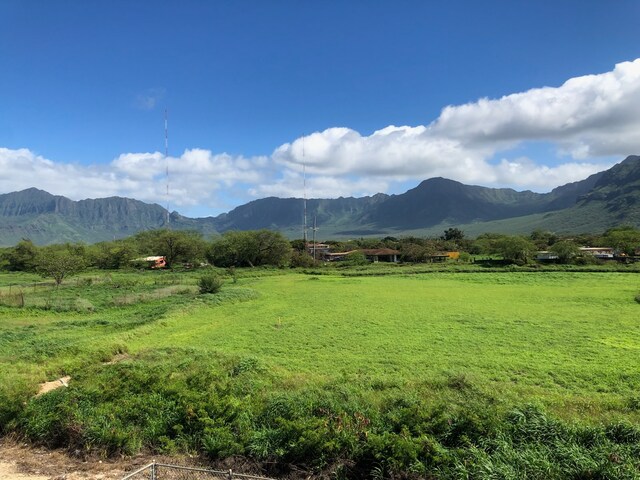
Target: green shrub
465, 257
210, 283
231, 271
44, 419
221, 442
83, 305
247, 364
302, 259
12, 401
355, 258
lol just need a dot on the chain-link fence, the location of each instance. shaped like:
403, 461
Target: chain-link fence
161, 471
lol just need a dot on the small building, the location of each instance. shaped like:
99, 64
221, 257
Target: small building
440, 257
336, 256
153, 262
319, 250
374, 255
546, 256
603, 253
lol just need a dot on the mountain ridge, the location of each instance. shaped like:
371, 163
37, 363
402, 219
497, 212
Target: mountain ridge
600, 201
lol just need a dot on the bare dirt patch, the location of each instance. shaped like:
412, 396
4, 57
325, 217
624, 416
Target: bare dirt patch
20, 462
48, 386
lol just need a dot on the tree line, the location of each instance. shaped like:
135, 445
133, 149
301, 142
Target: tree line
183, 248
518, 249
180, 248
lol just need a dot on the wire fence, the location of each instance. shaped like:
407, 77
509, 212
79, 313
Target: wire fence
13, 294
161, 471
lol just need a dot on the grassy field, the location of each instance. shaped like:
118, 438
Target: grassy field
570, 340
484, 375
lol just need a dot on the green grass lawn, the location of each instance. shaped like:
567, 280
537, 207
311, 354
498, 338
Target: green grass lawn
461, 346
571, 340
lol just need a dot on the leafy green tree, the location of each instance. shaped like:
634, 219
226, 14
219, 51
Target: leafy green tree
59, 263
181, 246
420, 250
112, 255
298, 245
175, 245
543, 239
301, 259
412, 239
486, 244
453, 235
465, 257
589, 240
272, 248
370, 243
355, 258
625, 239
415, 252
22, 257
516, 249
566, 250
4, 264
250, 249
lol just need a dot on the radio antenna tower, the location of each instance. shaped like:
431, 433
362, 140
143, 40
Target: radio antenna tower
304, 192
314, 229
166, 159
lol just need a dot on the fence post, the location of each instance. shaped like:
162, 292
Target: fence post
230, 474
153, 470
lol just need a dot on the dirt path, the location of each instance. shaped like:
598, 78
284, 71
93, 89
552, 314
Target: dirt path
22, 462
8, 471
19, 462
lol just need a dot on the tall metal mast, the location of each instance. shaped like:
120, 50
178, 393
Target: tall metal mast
304, 191
166, 159
315, 229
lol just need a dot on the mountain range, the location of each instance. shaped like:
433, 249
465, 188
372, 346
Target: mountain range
603, 200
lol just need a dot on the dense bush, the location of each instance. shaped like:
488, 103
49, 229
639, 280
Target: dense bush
250, 249
172, 400
301, 259
354, 259
210, 283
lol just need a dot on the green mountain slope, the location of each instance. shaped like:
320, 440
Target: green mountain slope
601, 201
46, 218
612, 198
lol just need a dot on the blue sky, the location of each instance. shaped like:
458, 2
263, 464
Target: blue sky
527, 95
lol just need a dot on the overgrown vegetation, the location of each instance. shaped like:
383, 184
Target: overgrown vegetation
235, 249
371, 371
488, 366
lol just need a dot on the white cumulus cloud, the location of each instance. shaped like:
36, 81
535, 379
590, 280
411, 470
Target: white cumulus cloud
591, 122
195, 178
590, 119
